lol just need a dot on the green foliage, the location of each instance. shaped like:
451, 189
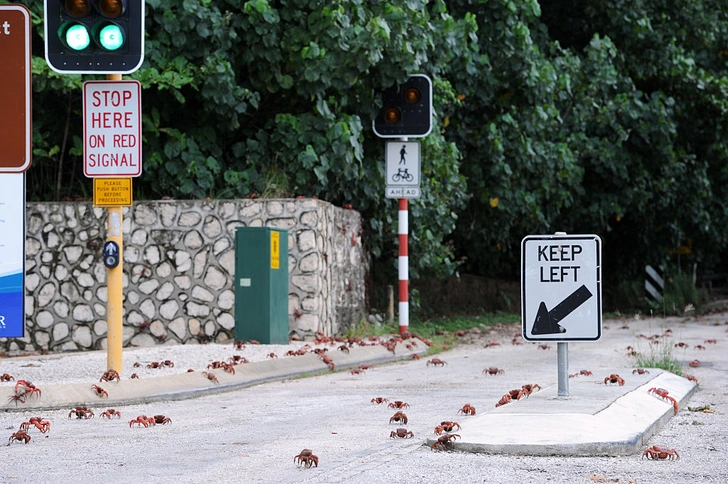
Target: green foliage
583, 117
680, 296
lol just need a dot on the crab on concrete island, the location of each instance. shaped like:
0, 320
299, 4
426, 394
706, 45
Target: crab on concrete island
662, 393
695, 364
614, 378
436, 362
401, 433
23, 390
516, 394
415, 356
20, 435
640, 371
399, 417
467, 410
504, 399
210, 376
398, 404
81, 412
529, 388
690, 377
343, 348
493, 371
100, 392
660, 453
306, 459
6, 377
328, 361
379, 400
445, 442
111, 413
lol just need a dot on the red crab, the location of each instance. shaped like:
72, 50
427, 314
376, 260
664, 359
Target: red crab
379, 400
436, 362
699, 347
493, 370
467, 410
639, 371
710, 341
662, 393
529, 388
504, 399
445, 441
357, 371
694, 364
398, 404
162, 420
211, 376
20, 435
544, 347
690, 377
100, 392
111, 413
447, 426
328, 361
401, 433
6, 377
306, 459
399, 417
142, 420
81, 412
42, 425
110, 375
614, 378
661, 453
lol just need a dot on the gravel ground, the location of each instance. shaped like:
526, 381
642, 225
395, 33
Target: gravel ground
251, 435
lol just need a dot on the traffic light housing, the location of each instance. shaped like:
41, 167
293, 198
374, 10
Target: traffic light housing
406, 109
94, 36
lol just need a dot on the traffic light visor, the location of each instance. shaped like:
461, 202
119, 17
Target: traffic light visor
77, 8
111, 8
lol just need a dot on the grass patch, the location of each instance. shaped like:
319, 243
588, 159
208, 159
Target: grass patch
438, 330
660, 356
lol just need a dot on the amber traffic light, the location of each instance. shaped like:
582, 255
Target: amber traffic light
406, 109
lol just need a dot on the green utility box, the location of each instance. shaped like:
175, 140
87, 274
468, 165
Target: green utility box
261, 285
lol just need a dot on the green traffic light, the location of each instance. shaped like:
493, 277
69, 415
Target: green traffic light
111, 37
77, 37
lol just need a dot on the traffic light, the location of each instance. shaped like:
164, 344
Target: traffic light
94, 36
406, 109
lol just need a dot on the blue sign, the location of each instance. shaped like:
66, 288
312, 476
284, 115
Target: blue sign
12, 255
111, 254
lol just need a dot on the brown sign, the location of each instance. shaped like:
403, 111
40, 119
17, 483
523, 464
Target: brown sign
15, 89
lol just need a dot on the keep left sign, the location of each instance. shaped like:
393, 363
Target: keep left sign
112, 128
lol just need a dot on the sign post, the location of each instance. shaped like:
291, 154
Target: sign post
112, 149
15, 89
561, 292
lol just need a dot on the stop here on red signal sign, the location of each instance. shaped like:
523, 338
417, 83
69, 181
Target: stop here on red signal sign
112, 128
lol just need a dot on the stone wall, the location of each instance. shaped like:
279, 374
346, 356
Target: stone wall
179, 264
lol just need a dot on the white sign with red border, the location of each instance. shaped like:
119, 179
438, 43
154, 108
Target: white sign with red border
112, 128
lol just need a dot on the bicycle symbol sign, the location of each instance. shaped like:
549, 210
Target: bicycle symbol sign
403, 164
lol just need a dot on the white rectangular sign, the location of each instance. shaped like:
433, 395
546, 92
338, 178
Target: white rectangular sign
112, 129
561, 290
399, 192
12, 255
403, 163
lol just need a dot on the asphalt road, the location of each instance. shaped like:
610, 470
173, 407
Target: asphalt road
253, 434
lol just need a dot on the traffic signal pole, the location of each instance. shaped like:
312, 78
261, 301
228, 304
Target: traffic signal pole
403, 266
114, 284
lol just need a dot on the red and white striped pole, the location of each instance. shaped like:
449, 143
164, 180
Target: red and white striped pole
403, 266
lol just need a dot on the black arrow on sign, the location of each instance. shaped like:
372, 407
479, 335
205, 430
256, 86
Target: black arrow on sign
547, 322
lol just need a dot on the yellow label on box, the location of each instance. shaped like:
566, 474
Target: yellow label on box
275, 250
112, 192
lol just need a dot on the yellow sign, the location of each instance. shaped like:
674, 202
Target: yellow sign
275, 250
112, 192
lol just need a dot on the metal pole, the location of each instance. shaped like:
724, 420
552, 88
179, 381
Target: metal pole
562, 350
114, 282
403, 267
